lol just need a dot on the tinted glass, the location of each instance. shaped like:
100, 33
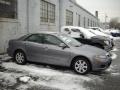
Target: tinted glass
49, 39
35, 38
70, 41
66, 29
75, 30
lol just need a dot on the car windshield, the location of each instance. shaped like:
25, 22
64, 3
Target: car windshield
70, 41
91, 32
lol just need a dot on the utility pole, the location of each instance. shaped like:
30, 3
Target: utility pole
106, 21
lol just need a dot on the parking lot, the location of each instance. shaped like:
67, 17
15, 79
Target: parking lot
43, 77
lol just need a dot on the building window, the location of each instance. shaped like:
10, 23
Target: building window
47, 12
88, 22
8, 9
84, 22
91, 23
79, 20
69, 17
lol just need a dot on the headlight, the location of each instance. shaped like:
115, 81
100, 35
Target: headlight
100, 57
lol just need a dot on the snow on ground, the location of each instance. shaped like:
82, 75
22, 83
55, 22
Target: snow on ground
114, 56
7, 79
54, 78
114, 70
116, 38
114, 49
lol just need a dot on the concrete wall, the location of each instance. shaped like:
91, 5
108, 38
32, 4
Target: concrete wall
13, 28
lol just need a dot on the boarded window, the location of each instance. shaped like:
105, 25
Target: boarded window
8, 9
47, 12
69, 17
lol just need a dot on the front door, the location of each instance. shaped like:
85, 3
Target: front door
53, 52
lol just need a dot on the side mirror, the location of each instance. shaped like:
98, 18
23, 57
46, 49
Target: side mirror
62, 45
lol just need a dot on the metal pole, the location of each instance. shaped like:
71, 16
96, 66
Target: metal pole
28, 17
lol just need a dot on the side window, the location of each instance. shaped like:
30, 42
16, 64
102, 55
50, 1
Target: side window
67, 30
35, 38
49, 39
76, 30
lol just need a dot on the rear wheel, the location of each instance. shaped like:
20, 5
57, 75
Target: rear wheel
20, 57
81, 66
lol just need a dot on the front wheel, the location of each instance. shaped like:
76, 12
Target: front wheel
20, 57
81, 66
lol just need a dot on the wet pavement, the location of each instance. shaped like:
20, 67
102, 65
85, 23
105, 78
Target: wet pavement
45, 77
111, 77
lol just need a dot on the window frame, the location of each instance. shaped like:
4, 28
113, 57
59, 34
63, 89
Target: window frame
54, 37
12, 12
69, 17
79, 20
47, 12
26, 39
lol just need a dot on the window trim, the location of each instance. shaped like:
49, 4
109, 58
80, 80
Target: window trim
48, 12
69, 23
8, 19
32, 35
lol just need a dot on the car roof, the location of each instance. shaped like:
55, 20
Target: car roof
75, 27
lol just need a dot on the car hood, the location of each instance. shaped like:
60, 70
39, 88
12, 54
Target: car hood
89, 50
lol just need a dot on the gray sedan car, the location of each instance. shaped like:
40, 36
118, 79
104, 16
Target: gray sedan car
58, 49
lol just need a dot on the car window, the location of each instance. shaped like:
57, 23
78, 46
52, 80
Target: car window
35, 38
76, 30
52, 40
67, 30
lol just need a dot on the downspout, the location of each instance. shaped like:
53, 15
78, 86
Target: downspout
27, 17
59, 17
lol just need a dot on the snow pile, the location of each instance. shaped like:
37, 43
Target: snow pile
115, 74
53, 78
24, 79
114, 56
114, 70
7, 79
115, 50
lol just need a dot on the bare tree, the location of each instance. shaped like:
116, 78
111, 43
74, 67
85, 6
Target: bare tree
114, 23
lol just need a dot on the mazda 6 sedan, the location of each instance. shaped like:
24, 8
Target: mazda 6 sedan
58, 49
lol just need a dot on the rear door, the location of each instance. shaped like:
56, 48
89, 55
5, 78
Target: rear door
35, 48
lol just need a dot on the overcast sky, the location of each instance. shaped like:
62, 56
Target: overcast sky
109, 7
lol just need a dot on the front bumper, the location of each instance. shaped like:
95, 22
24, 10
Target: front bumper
101, 65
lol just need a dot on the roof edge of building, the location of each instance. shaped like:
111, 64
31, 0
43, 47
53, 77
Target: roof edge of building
83, 8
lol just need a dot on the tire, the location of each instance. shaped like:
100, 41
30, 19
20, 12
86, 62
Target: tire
81, 66
20, 57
